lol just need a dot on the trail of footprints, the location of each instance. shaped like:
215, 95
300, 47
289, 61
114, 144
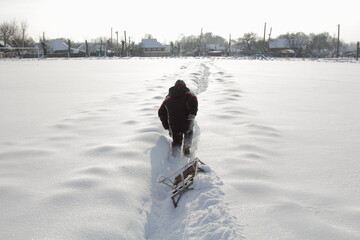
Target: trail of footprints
93, 181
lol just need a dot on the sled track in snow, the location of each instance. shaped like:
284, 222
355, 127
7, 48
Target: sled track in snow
202, 213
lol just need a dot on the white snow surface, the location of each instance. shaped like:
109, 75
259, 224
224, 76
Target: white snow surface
81, 148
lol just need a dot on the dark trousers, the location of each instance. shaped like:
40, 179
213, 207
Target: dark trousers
178, 141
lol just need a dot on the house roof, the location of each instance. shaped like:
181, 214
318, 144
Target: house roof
3, 45
151, 43
57, 45
279, 43
92, 47
215, 46
283, 43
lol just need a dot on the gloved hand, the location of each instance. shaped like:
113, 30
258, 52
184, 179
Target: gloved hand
191, 117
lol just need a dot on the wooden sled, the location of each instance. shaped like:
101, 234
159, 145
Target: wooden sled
181, 180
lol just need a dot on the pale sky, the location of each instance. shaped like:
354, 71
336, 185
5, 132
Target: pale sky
166, 20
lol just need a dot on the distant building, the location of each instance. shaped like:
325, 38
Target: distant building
93, 49
2, 45
284, 47
7, 51
54, 47
2, 54
348, 51
222, 50
215, 49
235, 50
1, 50
279, 44
152, 48
57, 46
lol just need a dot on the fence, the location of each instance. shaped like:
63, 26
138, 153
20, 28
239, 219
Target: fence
20, 52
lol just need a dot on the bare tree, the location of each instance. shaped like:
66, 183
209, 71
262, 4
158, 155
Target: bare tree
320, 44
249, 40
8, 30
190, 44
210, 38
148, 36
299, 42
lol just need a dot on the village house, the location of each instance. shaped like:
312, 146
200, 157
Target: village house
215, 49
349, 51
54, 48
222, 50
283, 48
6, 51
152, 48
57, 46
93, 49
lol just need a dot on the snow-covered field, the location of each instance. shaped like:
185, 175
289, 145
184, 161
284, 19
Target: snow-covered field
81, 148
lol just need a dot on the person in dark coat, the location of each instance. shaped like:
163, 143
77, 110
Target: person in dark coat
177, 114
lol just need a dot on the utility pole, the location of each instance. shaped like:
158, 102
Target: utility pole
129, 48
264, 36
122, 48
86, 49
357, 50
270, 34
264, 31
117, 42
23, 37
111, 43
338, 42
230, 44
125, 44
69, 48
201, 51
23, 28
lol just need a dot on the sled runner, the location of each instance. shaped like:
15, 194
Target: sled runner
181, 180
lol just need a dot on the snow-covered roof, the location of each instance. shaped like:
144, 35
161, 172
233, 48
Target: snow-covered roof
351, 48
151, 43
57, 45
92, 47
3, 45
235, 49
216, 46
279, 43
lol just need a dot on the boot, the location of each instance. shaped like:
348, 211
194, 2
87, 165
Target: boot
175, 151
187, 151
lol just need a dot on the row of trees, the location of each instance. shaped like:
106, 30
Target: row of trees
305, 45
315, 45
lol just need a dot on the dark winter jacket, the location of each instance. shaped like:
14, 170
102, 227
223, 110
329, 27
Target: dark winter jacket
178, 109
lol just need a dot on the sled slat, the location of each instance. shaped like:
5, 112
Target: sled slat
182, 181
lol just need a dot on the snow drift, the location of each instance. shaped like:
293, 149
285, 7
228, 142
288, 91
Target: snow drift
81, 148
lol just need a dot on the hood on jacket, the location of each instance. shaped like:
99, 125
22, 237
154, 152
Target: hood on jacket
178, 90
